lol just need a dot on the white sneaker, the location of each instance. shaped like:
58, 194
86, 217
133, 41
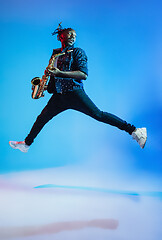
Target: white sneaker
140, 135
22, 146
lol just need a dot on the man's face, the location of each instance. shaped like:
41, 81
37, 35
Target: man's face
68, 38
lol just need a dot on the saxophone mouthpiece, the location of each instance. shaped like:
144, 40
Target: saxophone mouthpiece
71, 50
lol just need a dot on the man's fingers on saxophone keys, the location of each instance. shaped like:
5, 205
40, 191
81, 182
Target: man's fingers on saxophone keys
54, 71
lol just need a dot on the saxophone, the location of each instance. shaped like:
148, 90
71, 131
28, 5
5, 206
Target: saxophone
39, 84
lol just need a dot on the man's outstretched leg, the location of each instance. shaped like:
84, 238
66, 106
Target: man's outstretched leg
85, 105
54, 107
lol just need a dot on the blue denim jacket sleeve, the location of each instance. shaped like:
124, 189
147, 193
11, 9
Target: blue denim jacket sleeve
80, 60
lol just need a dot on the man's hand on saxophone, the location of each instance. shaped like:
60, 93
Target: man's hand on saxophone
54, 71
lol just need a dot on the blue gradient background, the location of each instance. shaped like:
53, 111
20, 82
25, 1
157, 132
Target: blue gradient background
123, 41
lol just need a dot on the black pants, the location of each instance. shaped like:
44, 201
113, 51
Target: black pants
77, 100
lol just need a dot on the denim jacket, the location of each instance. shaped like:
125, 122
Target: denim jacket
72, 61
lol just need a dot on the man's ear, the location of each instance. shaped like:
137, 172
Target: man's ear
59, 37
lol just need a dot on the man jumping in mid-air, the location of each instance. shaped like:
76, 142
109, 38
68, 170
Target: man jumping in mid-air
66, 86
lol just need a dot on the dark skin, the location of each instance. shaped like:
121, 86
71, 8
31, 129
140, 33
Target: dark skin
67, 38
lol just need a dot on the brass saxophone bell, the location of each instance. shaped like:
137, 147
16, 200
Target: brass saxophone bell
35, 87
36, 81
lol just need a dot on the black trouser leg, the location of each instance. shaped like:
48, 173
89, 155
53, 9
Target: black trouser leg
54, 107
85, 105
